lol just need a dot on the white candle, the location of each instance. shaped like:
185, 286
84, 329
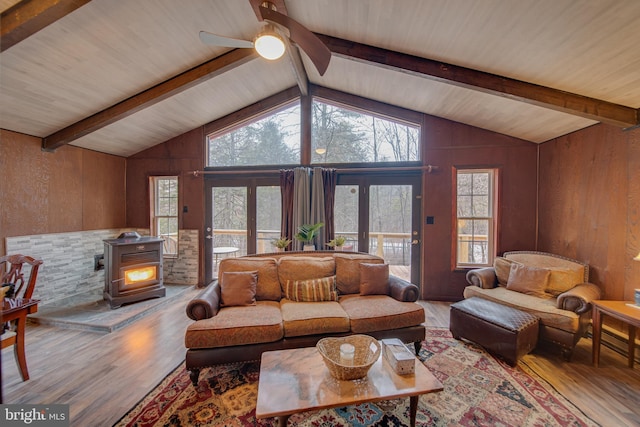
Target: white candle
347, 351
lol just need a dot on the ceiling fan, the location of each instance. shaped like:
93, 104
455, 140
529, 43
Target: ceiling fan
271, 41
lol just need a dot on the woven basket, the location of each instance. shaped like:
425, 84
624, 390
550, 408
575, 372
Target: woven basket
367, 351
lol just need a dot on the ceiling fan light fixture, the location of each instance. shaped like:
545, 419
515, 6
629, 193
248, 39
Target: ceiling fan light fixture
269, 45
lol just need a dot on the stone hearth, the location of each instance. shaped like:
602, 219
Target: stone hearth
89, 311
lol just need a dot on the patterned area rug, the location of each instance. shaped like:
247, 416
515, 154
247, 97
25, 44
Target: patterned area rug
479, 390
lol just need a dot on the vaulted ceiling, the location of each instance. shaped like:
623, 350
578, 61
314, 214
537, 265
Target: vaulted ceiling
121, 76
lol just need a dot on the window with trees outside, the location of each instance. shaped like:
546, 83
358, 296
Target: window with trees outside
475, 195
164, 212
270, 139
341, 135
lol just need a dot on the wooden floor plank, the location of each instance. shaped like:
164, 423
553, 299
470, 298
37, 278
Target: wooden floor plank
101, 376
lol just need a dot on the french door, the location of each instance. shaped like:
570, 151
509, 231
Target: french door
380, 214
242, 217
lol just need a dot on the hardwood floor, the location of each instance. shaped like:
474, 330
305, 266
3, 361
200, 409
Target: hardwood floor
102, 376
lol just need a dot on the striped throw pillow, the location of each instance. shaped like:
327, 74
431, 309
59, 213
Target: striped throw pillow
312, 290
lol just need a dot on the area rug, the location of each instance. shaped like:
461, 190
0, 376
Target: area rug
479, 390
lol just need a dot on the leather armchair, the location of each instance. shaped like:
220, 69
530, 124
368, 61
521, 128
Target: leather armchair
564, 316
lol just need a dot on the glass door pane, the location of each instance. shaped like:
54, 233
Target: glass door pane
346, 215
268, 217
229, 223
390, 226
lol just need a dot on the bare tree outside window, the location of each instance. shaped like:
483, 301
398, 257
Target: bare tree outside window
340, 135
164, 213
475, 232
269, 140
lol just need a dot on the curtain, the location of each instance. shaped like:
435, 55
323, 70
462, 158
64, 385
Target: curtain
308, 197
329, 181
301, 201
286, 192
317, 207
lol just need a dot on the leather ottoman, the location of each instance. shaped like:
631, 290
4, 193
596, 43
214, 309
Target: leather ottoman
505, 331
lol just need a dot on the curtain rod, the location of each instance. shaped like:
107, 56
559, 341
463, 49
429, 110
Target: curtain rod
427, 168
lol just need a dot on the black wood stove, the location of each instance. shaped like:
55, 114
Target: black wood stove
133, 269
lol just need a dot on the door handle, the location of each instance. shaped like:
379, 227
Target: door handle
415, 242
208, 236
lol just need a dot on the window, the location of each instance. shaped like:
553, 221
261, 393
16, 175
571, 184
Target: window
475, 217
341, 135
273, 139
164, 212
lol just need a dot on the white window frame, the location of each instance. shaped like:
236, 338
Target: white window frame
491, 219
170, 247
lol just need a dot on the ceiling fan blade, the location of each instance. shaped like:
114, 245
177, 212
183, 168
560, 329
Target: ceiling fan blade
216, 40
317, 51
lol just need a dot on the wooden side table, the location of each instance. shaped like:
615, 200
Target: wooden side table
621, 310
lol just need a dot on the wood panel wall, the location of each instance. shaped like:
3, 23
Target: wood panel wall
589, 204
450, 145
71, 189
177, 157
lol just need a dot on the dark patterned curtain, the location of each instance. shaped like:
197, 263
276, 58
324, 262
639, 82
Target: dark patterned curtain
286, 192
329, 180
308, 197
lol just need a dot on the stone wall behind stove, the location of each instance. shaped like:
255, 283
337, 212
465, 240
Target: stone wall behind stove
69, 263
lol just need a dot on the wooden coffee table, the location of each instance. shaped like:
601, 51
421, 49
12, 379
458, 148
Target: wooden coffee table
297, 380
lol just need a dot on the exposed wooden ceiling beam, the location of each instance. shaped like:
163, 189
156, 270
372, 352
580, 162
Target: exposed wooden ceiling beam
149, 97
583, 106
30, 16
297, 65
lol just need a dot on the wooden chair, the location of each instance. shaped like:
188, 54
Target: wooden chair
12, 266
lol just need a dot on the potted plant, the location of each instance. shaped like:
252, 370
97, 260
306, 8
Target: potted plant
337, 243
306, 233
281, 243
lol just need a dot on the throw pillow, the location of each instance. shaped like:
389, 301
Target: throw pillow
311, 290
528, 280
238, 288
502, 267
561, 280
374, 279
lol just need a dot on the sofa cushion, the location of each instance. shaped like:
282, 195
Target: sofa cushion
528, 280
238, 288
237, 326
380, 313
323, 289
374, 279
348, 271
544, 308
311, 318
268, 286
304, 268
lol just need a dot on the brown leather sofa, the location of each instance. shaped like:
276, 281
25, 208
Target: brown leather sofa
560, 298
223, 334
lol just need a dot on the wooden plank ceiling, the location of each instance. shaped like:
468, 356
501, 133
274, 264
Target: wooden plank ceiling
119, 77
